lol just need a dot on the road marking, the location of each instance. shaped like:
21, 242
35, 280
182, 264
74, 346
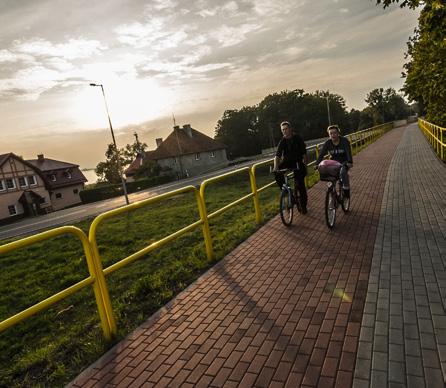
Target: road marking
45, 221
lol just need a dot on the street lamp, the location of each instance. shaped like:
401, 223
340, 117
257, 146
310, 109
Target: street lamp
328, 108
124, 188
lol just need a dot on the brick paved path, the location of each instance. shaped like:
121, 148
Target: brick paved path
403, 334
283, 309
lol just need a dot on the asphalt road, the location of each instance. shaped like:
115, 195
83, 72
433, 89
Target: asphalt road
33, 225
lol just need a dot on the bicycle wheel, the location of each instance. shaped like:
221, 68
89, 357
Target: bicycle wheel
330, 208
286, 207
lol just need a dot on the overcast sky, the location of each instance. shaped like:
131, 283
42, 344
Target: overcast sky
190, 58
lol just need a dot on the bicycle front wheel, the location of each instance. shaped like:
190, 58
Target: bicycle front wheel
286, 207
330, 208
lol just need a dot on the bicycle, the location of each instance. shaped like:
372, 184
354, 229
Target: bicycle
287, 200
329, 172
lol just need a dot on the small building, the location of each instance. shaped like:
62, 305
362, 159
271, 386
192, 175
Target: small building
31, 187
186, 151
64, 181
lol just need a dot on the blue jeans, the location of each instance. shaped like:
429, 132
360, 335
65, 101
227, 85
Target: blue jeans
344, 177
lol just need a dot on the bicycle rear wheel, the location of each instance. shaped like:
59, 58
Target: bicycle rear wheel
286, 207
330, 208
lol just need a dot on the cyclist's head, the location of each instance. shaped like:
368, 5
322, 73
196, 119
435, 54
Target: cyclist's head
333, 131
286, 128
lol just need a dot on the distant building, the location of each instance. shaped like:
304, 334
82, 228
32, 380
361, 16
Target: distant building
186, 151
31, 187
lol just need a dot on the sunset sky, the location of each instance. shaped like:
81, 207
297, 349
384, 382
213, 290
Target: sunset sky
190, 58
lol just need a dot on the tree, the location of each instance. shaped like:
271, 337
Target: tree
131, 151
354, 118
425, 73
149, 168
386, 105
108, 171
366, 119
405, 3
238, 130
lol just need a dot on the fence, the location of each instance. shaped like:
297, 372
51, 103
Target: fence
97, 278
436, 136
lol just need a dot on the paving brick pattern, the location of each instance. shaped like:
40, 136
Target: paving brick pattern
403, 334
283, 309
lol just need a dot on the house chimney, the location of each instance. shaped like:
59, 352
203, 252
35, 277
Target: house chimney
158, 141
188, 130
40, 158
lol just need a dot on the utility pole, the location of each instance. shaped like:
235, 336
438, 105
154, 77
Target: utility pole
118, 162
328, 107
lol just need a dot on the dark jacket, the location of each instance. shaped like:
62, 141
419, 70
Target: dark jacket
292, 151
341, 152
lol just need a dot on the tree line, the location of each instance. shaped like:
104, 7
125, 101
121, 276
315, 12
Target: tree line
252, 128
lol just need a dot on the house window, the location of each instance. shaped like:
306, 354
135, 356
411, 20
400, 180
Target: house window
59, 195
75, 191
23, 181
212, 153
67, 174
197, 156
53, 178
10, 183
2, 185
12, 210
32, 180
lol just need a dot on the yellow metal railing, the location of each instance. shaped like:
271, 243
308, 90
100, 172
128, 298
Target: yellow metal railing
96, 278
90, 245
92, 236
436, 136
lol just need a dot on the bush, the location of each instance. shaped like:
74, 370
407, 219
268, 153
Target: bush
100, 193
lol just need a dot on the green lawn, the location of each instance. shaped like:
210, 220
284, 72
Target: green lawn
51, 348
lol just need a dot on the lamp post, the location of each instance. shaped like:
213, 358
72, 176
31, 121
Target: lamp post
124, 188
328, 108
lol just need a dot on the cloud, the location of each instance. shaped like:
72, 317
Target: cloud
230, 36
153, 34
72, 49
29, 83
10, 56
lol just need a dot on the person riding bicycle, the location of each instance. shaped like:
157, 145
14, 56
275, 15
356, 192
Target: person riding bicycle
338, 147
292, 154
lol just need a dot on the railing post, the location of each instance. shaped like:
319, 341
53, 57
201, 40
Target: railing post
204, 218
255, 195
100, 277
103, 302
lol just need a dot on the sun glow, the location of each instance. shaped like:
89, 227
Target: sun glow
130, 101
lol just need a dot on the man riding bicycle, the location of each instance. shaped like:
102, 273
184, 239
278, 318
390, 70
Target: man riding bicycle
338, 147
292, 154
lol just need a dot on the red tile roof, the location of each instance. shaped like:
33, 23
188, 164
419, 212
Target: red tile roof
181, 141
62, 171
